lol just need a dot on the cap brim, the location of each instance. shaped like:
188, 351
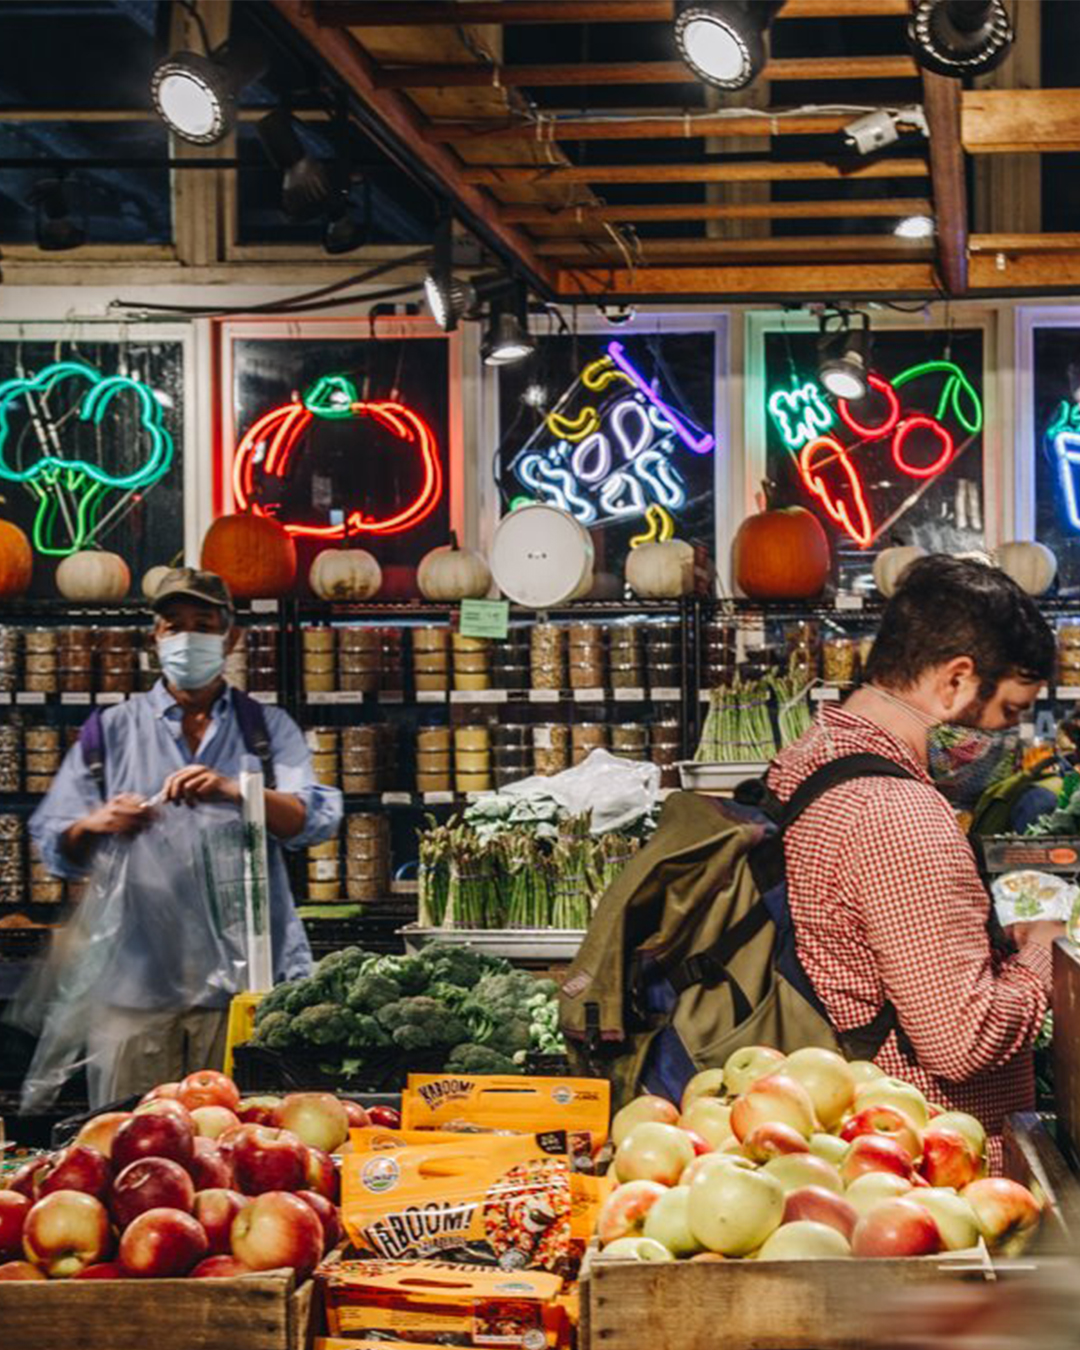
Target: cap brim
215, 602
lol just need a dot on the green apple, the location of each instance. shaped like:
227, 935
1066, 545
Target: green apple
900, 1096
709, 1117
747, 1065
804, 1240
707, 1083
827, 1078
864, 1071
638, 1112
732, 1210
829, 1147
668, 1222
795, 1170
953, 1215
636, 1249
872, 1187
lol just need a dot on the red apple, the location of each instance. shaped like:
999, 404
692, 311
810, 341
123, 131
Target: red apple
20, 1270
209, 1167
150, 1183
894, 1092
99, 1132
162, 1090
327, 1214
316, 1118
104, 1270
623, 1212
775, 1099
817, 1205
1007, 1213
771, 1140
153, 1134
78, 1168
385, 1117
65, 1232
653, 1152
948, 1159
637, 1112
885, 1120
257, 1110
265, 1159
212, 1121
165, 1106
218, 1268
27, 1178
275, 1230
896, 1228
322, 1175
162, 1242
14, 1207
207, 1087
875, 1153
215, 1210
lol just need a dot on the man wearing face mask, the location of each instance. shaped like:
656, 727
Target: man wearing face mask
182, 743
884, 890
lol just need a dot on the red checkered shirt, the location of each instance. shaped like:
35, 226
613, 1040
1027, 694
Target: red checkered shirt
887, 904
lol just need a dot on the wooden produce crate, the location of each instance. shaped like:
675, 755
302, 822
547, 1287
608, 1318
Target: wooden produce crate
257, 1312
1066, 1046
812, 1305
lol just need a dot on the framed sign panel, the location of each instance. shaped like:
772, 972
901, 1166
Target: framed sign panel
1050, 441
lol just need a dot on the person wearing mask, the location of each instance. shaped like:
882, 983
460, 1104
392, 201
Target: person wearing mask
179, 746
885, 894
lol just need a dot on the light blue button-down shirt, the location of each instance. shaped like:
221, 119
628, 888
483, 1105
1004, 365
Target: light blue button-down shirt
144, 744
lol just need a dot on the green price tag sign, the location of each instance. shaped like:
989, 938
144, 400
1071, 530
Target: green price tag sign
484, 618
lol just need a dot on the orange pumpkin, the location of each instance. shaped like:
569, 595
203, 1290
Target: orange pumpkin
254, 555
16, 561
781, 555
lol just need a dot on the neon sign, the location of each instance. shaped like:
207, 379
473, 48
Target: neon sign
615, 459
1064, 437
826, 466
70, 493
271, 442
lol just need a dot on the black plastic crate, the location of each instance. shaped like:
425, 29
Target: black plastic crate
259, 1069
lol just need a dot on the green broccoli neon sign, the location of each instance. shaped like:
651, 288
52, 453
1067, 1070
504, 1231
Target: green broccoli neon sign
71, 492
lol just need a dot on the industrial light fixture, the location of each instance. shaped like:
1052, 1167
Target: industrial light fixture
507, 339
723, 41
959, 37
915, 227
306, 184
55, 226
448, 298
344, 229
195, 95
844, 355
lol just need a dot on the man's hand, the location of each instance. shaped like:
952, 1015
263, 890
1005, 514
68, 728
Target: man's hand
197, 783
1039, 933
124, 814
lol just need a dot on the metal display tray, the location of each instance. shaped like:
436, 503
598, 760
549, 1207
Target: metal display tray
513, 944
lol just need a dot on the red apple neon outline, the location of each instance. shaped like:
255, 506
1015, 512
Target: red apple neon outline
278, 431
873, 433
862, 531
943, 460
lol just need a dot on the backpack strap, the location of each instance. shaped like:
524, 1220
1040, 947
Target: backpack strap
252, 720
92, 745
837, 771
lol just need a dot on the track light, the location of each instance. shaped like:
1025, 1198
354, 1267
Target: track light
306, 184
195, 96
844, 355
448, 298
54, 226
723, 42
344, 230
915, 227
959, 37
507, 339
617, 315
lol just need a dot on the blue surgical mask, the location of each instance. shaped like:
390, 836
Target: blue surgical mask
191, 660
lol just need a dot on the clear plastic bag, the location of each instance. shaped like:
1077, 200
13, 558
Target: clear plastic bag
618, 792
161, 929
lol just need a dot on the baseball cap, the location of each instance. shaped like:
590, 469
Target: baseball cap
188, 583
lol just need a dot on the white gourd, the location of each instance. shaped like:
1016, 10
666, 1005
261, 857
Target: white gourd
345, 574
152, 579
661, 571
451, 573
1032, 566
891, 564
93, 575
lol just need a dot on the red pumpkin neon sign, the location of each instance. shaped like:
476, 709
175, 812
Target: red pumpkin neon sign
270, 442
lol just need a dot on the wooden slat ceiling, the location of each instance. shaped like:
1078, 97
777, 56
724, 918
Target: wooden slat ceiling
567, 129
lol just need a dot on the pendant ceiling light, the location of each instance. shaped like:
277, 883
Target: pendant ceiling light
195, 96
959, 37
723, 41
844, 355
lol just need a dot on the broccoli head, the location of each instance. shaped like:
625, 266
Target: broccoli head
510, 1035
503, 993
274, 1030
461, 966
372, 990
409, 971
336, 972
367, 1034
324, 1024
422, 1023
468, 1058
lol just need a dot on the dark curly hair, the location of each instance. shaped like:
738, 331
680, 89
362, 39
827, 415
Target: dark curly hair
949, 607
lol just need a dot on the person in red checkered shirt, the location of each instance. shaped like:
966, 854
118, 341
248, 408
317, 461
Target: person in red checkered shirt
884, 890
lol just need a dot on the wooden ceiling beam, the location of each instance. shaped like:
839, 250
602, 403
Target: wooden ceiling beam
1027, 244
596, 73
416, 13
660, 128
753, 171
812, 280
401, 119
1011, 121
941, 103
834, 247
575, 216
